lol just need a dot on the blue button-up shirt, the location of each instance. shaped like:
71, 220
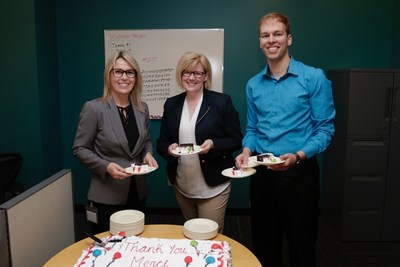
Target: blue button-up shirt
293, 113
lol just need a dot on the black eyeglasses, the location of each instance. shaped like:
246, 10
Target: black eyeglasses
119, 72
196, 74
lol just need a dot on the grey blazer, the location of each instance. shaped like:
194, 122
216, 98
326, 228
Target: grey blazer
100, 139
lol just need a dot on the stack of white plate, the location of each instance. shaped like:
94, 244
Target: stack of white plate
200, 228
129, 221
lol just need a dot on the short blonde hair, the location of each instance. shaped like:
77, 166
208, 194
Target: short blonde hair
191, 60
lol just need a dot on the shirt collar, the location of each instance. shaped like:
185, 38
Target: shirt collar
293, 68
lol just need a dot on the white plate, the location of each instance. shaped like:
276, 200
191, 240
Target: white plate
200, 228
250, 163
129, 221
245, 173
276, 160
136, 172
177, 151
127, 217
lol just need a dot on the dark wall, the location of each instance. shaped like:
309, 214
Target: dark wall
396, 36
30, 114
53, 58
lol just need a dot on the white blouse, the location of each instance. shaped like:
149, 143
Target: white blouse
189, 178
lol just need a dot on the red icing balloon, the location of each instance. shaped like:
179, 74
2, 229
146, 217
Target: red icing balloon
188, 259
117, 255
122, 233
216, 246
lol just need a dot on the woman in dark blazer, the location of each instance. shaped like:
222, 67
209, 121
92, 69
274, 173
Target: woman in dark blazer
113, 132
208, 119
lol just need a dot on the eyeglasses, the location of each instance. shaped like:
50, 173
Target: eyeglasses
119, 72
196, 74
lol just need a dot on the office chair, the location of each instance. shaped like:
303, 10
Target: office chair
10, 165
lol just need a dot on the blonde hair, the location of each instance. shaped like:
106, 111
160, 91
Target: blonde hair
136, 93
279, 17
191, 60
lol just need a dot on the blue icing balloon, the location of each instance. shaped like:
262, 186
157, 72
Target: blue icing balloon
96, 252
210, 260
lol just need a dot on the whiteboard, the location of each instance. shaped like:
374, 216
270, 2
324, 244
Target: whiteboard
158, 52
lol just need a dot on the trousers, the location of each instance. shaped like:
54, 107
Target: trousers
285, 207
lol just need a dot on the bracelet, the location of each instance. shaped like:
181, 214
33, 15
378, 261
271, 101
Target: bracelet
298, 159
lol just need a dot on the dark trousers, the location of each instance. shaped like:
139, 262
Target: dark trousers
285, 205
104, 211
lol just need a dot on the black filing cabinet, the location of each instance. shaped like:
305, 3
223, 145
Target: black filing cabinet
360, 195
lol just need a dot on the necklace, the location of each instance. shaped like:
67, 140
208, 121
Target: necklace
192, 103
124, 113
192, 106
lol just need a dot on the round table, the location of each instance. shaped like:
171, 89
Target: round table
241, 256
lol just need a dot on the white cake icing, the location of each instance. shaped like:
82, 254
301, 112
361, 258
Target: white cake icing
186, 148
236, 171
267, 157
134, 251
140, 167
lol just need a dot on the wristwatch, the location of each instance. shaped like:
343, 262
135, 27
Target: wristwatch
298, 159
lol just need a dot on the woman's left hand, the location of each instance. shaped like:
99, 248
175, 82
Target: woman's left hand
206, 146
150, 160
117, 172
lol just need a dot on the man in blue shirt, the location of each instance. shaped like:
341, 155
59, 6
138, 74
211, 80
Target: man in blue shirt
290, 113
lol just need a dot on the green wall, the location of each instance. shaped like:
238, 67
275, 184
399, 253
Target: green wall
30, 114
53, 58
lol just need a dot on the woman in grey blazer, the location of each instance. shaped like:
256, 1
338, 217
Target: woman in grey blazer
113, 132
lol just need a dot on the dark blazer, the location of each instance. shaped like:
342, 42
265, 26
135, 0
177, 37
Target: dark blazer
218, 120
100, 139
